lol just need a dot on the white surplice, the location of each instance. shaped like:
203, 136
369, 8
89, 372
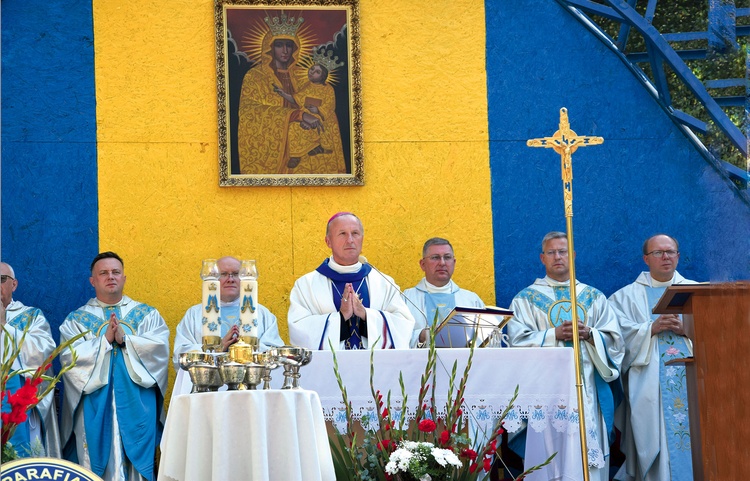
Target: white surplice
314, 320
644, 441
531, 326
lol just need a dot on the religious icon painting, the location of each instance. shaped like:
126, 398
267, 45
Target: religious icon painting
289, 99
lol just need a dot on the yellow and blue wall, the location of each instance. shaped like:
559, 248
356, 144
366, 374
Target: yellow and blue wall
109, 142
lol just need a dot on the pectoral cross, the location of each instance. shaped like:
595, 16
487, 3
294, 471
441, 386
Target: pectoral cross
565, 142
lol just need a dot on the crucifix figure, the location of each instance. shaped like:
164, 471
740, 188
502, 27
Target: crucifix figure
565, 142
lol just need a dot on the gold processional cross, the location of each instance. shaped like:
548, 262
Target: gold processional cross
565, 142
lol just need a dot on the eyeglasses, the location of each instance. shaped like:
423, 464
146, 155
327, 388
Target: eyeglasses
660, 254
227, 275
436, 258
561, 252
4, 278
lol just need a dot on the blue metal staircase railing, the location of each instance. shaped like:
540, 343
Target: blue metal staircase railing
722, 35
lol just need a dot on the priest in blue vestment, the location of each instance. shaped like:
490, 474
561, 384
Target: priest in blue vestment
542, 318
345, 301
436, 292
112, 409
654, 419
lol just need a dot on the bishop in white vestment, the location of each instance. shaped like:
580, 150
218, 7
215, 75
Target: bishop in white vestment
345, 303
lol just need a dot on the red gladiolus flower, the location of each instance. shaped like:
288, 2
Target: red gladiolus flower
469, 453
500, 431
473, 468
487, 464
459, 412
493, 447
385, 412
427, 426
385, 445
445, 436
453, 429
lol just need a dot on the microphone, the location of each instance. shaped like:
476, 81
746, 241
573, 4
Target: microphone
363, 260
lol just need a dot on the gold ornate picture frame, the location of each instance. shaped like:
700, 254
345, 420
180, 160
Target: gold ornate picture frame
289, 92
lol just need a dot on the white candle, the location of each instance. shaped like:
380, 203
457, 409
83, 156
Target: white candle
211, 309
249, 308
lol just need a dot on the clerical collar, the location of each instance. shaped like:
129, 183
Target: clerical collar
553, 282
344, 269
655, 283
432, 289
105, 305
235, 302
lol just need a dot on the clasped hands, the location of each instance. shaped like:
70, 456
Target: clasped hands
668, 322
351, 304
564, 332
114, 333
232, 336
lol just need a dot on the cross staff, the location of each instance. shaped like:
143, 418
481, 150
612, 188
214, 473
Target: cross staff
565, 142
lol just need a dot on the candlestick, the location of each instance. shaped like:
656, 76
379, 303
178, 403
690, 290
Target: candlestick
211, 292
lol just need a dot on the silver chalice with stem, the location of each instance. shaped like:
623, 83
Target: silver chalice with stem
292, 358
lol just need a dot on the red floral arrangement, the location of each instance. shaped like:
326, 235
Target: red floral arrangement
37, 384
367, 461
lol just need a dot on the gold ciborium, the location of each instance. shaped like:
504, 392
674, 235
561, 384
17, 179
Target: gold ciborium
241, 352
292, 358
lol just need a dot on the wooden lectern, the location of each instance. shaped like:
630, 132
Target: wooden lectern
717, 320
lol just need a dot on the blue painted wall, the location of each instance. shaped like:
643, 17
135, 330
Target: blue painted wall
646, 178
49, 176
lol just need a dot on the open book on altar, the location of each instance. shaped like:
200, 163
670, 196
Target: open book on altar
460, 327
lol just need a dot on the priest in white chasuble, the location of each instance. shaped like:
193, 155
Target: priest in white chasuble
345, 302
654, 418
542, 318
112, 410
189, 333
40, 429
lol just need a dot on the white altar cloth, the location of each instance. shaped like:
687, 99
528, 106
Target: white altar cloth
254, 435
547, 399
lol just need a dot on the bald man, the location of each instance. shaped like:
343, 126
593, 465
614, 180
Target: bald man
346, 303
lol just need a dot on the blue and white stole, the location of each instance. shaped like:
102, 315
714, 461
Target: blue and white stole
138, 408
338, 282
674, 401
440, 303
21, 439
560, 310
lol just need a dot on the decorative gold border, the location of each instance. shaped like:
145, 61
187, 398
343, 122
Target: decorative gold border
357, 175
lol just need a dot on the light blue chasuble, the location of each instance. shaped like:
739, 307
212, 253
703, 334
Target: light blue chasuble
674, 399
136, 407
560, 310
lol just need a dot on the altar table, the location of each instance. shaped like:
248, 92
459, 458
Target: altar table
546, 403
250, 435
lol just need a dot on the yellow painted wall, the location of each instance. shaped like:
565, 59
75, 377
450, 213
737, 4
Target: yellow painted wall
425, 147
